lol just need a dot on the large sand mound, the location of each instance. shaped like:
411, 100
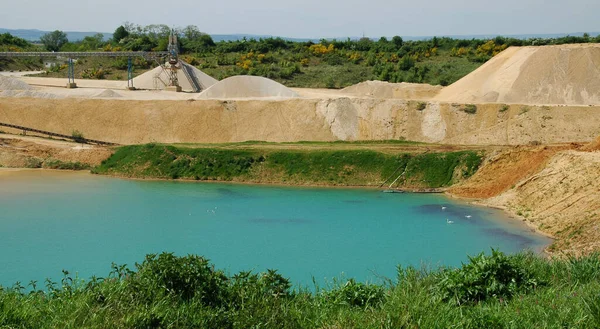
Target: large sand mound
158, 78
566, 74
380, 89
8, 83
245, 86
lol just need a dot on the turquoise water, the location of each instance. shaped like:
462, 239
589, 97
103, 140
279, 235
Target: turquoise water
82, 223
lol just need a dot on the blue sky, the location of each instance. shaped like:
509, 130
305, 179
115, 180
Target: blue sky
313, 18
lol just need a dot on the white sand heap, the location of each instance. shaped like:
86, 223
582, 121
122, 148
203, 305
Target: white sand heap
158, 79
565, 74
246, 86
8, 83
108, 93
381, 89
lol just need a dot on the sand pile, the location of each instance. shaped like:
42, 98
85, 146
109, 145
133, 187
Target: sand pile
8, 83
565, 74
158, 79
28, 94
381, 89
108, 93
245, 86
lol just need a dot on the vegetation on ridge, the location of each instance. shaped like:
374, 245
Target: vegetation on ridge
326, 64
166, 291
319, 167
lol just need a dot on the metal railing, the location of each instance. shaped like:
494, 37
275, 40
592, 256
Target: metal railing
48, 133
75, 54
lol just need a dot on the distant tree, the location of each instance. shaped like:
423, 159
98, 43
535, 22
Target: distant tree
92, 42
191, 32
195, 40
398, 41
53, 41
383, 40
10, 40
120, 34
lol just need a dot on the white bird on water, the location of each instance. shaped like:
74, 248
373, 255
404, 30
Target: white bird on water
449, 221
468, 216
443, 208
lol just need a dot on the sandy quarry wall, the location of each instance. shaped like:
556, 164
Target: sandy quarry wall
127, 122
565, 74
562, 200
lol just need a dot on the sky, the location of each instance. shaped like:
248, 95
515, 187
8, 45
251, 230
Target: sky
313, 18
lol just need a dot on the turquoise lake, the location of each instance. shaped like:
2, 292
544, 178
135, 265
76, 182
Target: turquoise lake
50, 221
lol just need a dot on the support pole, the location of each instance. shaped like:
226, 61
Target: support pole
71, 74
130, 74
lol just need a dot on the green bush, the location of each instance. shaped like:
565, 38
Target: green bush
421, 106
78, 136
246, 286
484, 277
356, 294
167, 275
470, 108
504, 108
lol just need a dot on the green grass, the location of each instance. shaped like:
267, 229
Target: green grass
319, 167
166, 291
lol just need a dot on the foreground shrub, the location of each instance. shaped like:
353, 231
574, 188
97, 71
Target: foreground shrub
484, 277
357, 294
153, 297
167, 275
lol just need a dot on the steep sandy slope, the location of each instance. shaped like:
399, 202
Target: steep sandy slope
565, 74
503, 170
563, 200
296, 119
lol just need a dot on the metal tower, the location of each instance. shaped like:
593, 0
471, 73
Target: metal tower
173, 50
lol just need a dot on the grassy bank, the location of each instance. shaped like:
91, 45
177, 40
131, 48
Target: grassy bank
298, 167
166, 291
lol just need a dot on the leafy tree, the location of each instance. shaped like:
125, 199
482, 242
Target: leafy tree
53, 41
10, 40
398, 41
92, 42
191, 32
120, 34
194, 40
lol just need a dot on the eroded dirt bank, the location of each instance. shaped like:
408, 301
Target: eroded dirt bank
347, 119
555, 190
31, 152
